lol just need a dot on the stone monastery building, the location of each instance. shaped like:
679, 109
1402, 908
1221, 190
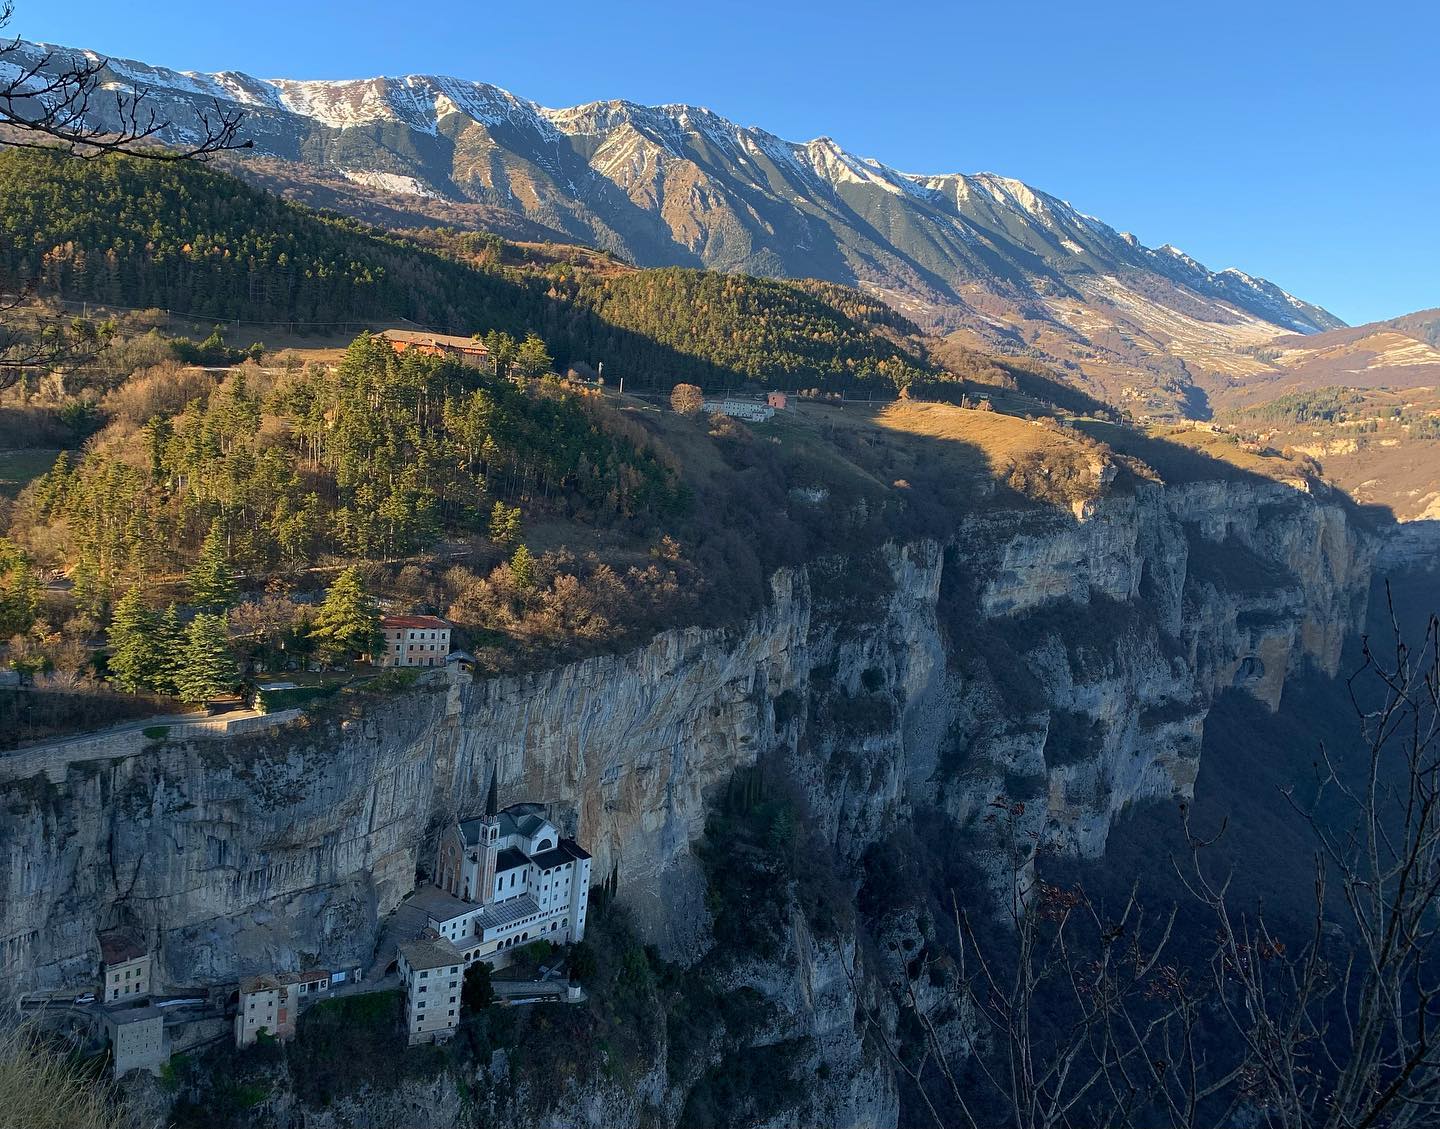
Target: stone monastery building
521, 880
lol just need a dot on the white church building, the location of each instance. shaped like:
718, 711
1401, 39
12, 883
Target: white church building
502, 880
523, 881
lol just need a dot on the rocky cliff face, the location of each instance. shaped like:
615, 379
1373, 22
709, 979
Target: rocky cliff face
1063, 660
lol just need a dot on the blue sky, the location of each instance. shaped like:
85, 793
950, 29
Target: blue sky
1293, 140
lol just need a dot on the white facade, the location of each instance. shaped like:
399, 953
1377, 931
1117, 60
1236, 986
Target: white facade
413, 640
513, 880
752, 411
501, 881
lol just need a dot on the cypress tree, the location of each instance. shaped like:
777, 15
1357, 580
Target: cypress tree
134, 656
212, 587
209, 668
522, 568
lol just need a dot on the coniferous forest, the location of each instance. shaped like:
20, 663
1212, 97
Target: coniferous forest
196, 241
378, 459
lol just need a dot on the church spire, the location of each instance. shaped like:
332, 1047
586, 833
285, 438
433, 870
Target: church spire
492, 801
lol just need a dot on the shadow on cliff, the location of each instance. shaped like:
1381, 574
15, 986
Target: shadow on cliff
1249, 758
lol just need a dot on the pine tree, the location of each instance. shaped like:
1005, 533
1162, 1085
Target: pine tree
346, 624
212, 587
504, 523
17, 590
532, 358
134, 658
209, 668
169, 651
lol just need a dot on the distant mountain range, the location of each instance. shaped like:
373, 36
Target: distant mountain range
996, 263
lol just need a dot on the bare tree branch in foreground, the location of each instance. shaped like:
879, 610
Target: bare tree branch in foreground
1067, 1016
58, 100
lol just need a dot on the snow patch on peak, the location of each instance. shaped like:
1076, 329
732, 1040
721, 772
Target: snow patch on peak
835, 166
1007, 190
1178, 255
339, 105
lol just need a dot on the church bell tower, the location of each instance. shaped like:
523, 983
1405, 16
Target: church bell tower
490, 839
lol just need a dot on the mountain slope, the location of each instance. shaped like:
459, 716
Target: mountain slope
1398, 353
990, 258
197, 241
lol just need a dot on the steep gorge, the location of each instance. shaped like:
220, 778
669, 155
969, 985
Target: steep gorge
1063, 660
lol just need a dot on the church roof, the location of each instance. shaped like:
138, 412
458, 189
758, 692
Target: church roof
509, 859
522, 819
567, 851
500, 914
575, 850
438, 904
470, 831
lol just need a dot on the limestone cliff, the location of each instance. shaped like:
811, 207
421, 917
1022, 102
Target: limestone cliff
1063, 659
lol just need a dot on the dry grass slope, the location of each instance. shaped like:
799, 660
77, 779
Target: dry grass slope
40, 1089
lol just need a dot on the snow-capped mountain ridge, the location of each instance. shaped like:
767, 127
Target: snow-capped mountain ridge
680, 184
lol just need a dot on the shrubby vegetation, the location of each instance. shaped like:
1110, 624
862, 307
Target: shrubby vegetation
1323, 405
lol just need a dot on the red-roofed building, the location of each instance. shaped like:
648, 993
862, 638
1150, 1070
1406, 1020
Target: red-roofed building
462, 349
413, 640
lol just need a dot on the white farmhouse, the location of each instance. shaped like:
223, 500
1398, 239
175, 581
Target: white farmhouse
752, 411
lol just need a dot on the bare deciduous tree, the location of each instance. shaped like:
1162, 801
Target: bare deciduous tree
1065, 1015
687, 399
1344, 1034
60, 99
65, 101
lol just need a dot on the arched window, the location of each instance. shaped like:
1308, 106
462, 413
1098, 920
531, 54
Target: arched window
544, 845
